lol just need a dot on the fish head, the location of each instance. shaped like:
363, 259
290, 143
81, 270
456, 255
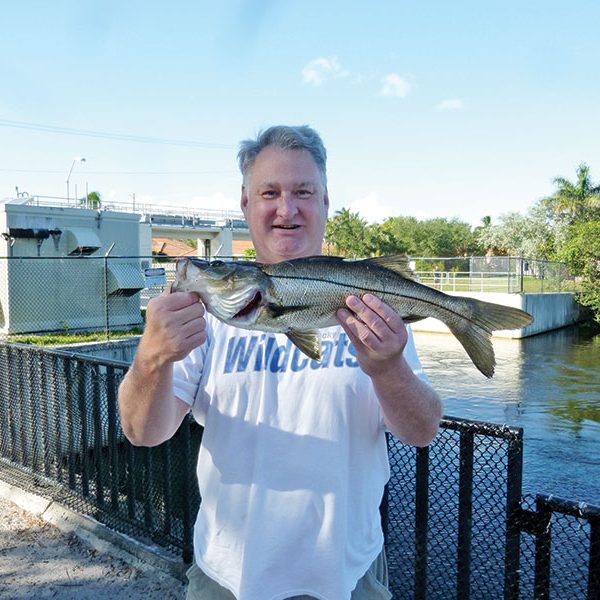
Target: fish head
233, 292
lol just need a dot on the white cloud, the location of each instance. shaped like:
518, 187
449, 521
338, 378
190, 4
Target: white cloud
394, 85
320, 69
372, 209
451, 104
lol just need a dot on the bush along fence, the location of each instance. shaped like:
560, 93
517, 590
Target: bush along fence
78, 298
456, 522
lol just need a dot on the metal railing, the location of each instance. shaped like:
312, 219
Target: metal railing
456, 523
505, 274
187, 212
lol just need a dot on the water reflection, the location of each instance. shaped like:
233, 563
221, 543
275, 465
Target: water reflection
549, 385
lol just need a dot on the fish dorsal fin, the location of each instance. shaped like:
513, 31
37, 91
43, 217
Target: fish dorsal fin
396, 262
308, 341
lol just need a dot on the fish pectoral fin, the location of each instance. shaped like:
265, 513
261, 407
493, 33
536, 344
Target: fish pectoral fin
397, 263
277, 310
412, 318
308, 341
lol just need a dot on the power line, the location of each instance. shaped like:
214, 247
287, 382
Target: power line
123, 172
123, 137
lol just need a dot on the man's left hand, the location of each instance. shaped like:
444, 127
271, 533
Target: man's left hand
377, 332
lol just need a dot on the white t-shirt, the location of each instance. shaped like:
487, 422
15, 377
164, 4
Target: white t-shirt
292, 465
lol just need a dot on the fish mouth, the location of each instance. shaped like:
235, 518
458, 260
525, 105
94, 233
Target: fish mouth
251, 307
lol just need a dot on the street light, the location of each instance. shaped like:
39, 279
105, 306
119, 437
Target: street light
75, 160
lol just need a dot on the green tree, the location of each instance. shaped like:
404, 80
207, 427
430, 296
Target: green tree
347, 233
530, 234
402, 234
575, 201
93, 200
581, 251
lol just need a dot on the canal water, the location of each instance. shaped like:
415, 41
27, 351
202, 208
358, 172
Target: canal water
549, 385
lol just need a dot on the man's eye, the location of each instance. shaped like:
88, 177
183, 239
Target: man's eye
304, 193
269, 194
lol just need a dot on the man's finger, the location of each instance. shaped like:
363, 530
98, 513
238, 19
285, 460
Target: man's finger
385, 312
177, 300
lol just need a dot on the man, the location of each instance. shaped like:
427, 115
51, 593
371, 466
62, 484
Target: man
293, 458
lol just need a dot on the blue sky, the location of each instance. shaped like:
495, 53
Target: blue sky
451, 109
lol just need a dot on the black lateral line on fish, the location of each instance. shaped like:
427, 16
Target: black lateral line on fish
369, 290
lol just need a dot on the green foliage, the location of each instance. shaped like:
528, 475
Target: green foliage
575, 202
350, 235
66, 337
250, 253
530, 234
581, 251
346, 232
93, 200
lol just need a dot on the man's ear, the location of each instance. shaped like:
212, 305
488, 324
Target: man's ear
326, 199
244, 199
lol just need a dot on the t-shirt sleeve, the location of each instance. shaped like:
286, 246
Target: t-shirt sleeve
187, 373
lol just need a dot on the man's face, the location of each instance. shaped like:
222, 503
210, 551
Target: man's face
284, 200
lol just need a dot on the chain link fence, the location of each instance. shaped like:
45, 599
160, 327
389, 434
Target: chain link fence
63, 299
456, 523
85, 298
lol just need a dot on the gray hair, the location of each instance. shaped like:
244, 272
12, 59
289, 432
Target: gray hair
285, 137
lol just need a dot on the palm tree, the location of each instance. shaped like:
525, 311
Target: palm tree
577, 201
93, 200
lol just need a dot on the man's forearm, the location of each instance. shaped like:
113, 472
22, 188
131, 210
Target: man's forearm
149, 412
411, 408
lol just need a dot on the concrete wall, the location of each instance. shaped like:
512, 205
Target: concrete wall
549, 311
123, 350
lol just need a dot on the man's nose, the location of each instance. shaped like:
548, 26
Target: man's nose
286, 206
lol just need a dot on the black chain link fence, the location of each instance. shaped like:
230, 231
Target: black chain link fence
456, 523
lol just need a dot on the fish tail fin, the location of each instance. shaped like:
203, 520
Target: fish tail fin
474, 331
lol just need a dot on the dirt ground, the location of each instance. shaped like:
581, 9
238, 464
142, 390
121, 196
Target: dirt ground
38, 561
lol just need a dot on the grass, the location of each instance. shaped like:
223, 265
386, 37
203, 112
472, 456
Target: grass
64, 338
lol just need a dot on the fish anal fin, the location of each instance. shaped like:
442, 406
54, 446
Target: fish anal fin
478, 344
395, 262
308, 341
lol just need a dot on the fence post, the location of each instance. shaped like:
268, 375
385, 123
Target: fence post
594, 563
421, 522
106, 312
543, 540
514, 487
521, 274
465, 516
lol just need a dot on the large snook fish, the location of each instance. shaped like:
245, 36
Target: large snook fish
299, 296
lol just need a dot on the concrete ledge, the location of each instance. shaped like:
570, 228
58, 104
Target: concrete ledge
100, 537
549, 311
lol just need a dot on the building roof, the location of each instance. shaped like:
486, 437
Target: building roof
172, 247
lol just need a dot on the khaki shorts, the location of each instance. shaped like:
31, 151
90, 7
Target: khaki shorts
372, 586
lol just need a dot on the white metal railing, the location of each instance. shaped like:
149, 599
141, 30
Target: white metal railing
188, 212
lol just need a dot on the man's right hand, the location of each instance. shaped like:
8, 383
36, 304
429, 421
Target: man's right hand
175, 325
